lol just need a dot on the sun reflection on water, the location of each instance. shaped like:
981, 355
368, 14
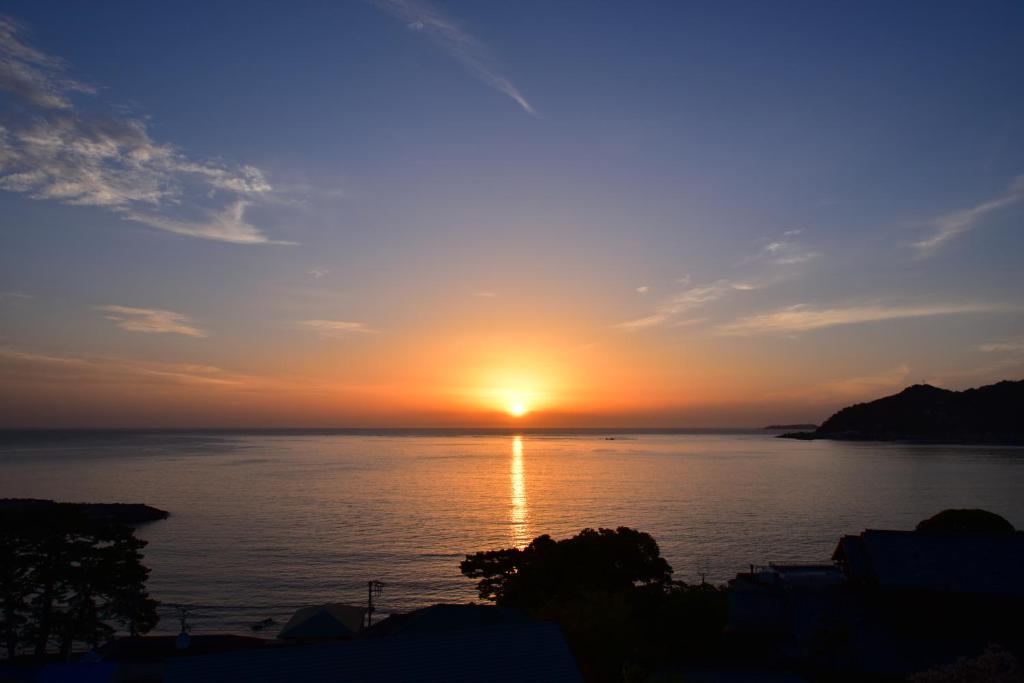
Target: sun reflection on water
519, 513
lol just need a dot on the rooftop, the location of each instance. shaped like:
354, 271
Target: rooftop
982, 564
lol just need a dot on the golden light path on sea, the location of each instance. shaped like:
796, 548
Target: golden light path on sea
519, 512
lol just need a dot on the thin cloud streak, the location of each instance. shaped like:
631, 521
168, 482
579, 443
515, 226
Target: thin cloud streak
31, 75
1006, 346
803, 318
778, 261
445, 33
337, 328
787, 253
16, 364
151, 320
227, 225
57, 153
955, 224
685, 301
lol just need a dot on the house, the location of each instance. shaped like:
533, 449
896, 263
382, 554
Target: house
974, 564
891, 603
780, 609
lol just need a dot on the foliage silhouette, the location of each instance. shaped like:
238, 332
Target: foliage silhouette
546, 570
966, 522
994, 665
613, 595
66, 577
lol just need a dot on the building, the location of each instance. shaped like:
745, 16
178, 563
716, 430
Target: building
533, 651
890, 603
333, 621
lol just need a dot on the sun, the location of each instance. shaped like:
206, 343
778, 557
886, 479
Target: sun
515, 397
517, 409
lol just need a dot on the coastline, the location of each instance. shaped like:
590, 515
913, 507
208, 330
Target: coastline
903, 439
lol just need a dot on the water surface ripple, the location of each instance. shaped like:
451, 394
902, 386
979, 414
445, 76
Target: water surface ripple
262, 523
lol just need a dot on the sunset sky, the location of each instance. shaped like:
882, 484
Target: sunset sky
405, 213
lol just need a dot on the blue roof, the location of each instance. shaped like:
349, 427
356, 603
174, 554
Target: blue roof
535, 652
445, 618
989, 564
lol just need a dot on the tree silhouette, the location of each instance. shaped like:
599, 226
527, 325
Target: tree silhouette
67, 577
546, 570
613, 595
967, 521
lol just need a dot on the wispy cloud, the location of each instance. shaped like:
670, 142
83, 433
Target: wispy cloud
14, 296
49, 150
31, 75
224, 225
684, 301
947, 227
41, 367
317, 273
776, 262
151, 320
337, 328
446, 34
1014, 346
786, 251
485, 294
803, 318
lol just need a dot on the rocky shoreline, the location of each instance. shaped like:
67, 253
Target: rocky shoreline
131, 514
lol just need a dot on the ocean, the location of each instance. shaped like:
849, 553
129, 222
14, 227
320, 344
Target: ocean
265, 522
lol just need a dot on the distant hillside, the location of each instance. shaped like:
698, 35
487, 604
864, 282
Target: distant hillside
990, 414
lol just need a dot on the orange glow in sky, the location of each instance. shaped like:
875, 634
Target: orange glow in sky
517, 409
382, 252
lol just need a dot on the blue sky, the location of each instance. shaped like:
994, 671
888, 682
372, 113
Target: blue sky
747, 210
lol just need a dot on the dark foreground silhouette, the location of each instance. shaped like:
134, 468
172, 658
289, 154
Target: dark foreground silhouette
68, 576
989, 414
614, 597
130, 514
938, 604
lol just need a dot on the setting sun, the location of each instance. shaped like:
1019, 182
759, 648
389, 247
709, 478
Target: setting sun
517, 409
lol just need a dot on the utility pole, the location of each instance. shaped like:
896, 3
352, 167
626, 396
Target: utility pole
183, 640
373, 588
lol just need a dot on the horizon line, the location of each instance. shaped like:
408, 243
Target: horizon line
506, 429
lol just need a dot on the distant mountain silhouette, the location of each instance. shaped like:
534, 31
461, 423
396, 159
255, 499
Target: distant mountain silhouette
989, 414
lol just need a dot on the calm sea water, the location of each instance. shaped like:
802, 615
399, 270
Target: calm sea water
263, 523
